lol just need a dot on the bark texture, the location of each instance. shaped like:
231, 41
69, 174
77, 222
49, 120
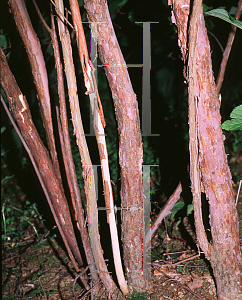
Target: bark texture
210, 173
22, 115
88, 171
130, 143
67, 156
37, 63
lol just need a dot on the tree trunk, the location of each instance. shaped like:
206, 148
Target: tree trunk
130, 143
210, 173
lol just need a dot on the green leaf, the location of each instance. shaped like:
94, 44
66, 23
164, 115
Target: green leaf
178, 222
232, 10
23, 218
114, 5
131, 16
51, 292
206, 8
223, 15
8, 209
33, 292
6, 178
237, 112
189, 209
3, 41
178, 206
236, 122
233, 124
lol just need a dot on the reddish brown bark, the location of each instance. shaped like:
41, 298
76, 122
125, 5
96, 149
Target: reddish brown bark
22, 115
130, 143
88, 172
67, 156
39, 72
166, 210
99, 125
209, 167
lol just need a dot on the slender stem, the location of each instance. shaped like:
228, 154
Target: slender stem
88, 172
216, 39
41, 17
166, 210
41, 182
38, 68
75, 195
56, 200
227, 50
99, 123
61, 15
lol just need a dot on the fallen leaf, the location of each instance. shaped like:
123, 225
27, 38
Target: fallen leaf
195, 283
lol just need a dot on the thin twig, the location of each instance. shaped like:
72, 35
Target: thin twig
73, 286
41, 17
42, 184
157, 206
180, 261
25, 146
216, 39
182, 285
82, 297
186, 266
61, 16
25, 252
55, 276
178, 252
41, 239
166, 209
228, 47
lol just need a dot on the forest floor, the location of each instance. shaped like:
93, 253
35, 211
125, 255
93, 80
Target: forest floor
35, 266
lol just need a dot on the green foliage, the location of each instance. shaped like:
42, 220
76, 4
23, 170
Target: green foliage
223, 15
236, 143
139, 296
3, 129
15, 221
206, 8
236, 122
114, 5
3, 40
232, 10
41, 289
179, 206
189, 209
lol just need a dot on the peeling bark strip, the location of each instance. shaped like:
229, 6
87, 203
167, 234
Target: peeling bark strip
36, 59
88, 172
22, 115
75, 194
208, 156
130, 143
99, 124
